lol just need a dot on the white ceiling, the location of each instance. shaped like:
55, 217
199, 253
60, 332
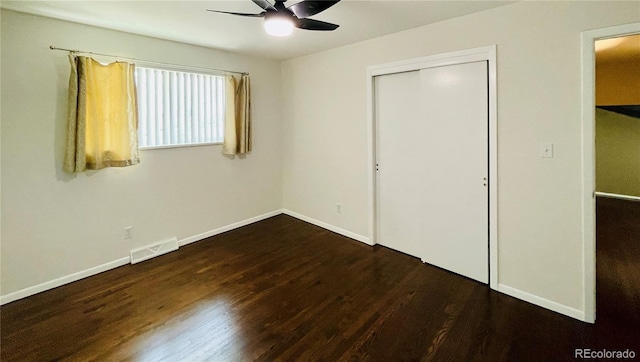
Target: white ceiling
189, 22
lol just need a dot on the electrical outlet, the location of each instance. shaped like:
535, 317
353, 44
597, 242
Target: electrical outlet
339, 208
128, 232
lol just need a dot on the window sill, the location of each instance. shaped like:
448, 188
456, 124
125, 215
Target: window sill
178, 146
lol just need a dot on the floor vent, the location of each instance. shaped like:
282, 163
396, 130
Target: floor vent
151, 251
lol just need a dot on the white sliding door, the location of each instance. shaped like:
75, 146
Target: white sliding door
432, 155
401, 170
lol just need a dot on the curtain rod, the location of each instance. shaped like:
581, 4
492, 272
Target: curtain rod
145, 61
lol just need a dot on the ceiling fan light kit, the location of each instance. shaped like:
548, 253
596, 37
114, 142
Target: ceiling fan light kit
280, 20
278, 25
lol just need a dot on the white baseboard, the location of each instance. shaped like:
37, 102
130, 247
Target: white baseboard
230, 227
324, 225
617, 196
516, 293
542, 302
8, 298
23, 293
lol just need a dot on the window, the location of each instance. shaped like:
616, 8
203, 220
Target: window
178, 108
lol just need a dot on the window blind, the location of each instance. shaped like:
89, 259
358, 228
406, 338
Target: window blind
179, 108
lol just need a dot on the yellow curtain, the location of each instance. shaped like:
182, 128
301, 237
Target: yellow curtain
237, 125
102, 124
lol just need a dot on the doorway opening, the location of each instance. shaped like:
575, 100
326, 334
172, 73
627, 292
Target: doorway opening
611, 203
617, 122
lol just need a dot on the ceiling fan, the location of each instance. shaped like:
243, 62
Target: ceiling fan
280, 20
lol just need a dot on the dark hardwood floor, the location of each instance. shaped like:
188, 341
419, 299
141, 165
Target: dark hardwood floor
285, 290
618, 262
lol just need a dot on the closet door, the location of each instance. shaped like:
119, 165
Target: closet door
432, 155
401, 169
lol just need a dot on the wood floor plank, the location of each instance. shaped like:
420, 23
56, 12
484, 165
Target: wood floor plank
284, 290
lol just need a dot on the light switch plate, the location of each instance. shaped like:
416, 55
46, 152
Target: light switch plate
546, 150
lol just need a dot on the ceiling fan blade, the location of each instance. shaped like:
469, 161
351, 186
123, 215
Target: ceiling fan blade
308, 8
310, 24
264, 4
261, 15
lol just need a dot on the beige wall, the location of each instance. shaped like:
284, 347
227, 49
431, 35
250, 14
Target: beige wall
539, 86
55, 224
617, 153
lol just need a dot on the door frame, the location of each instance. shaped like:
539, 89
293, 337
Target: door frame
487, 53
589, 160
